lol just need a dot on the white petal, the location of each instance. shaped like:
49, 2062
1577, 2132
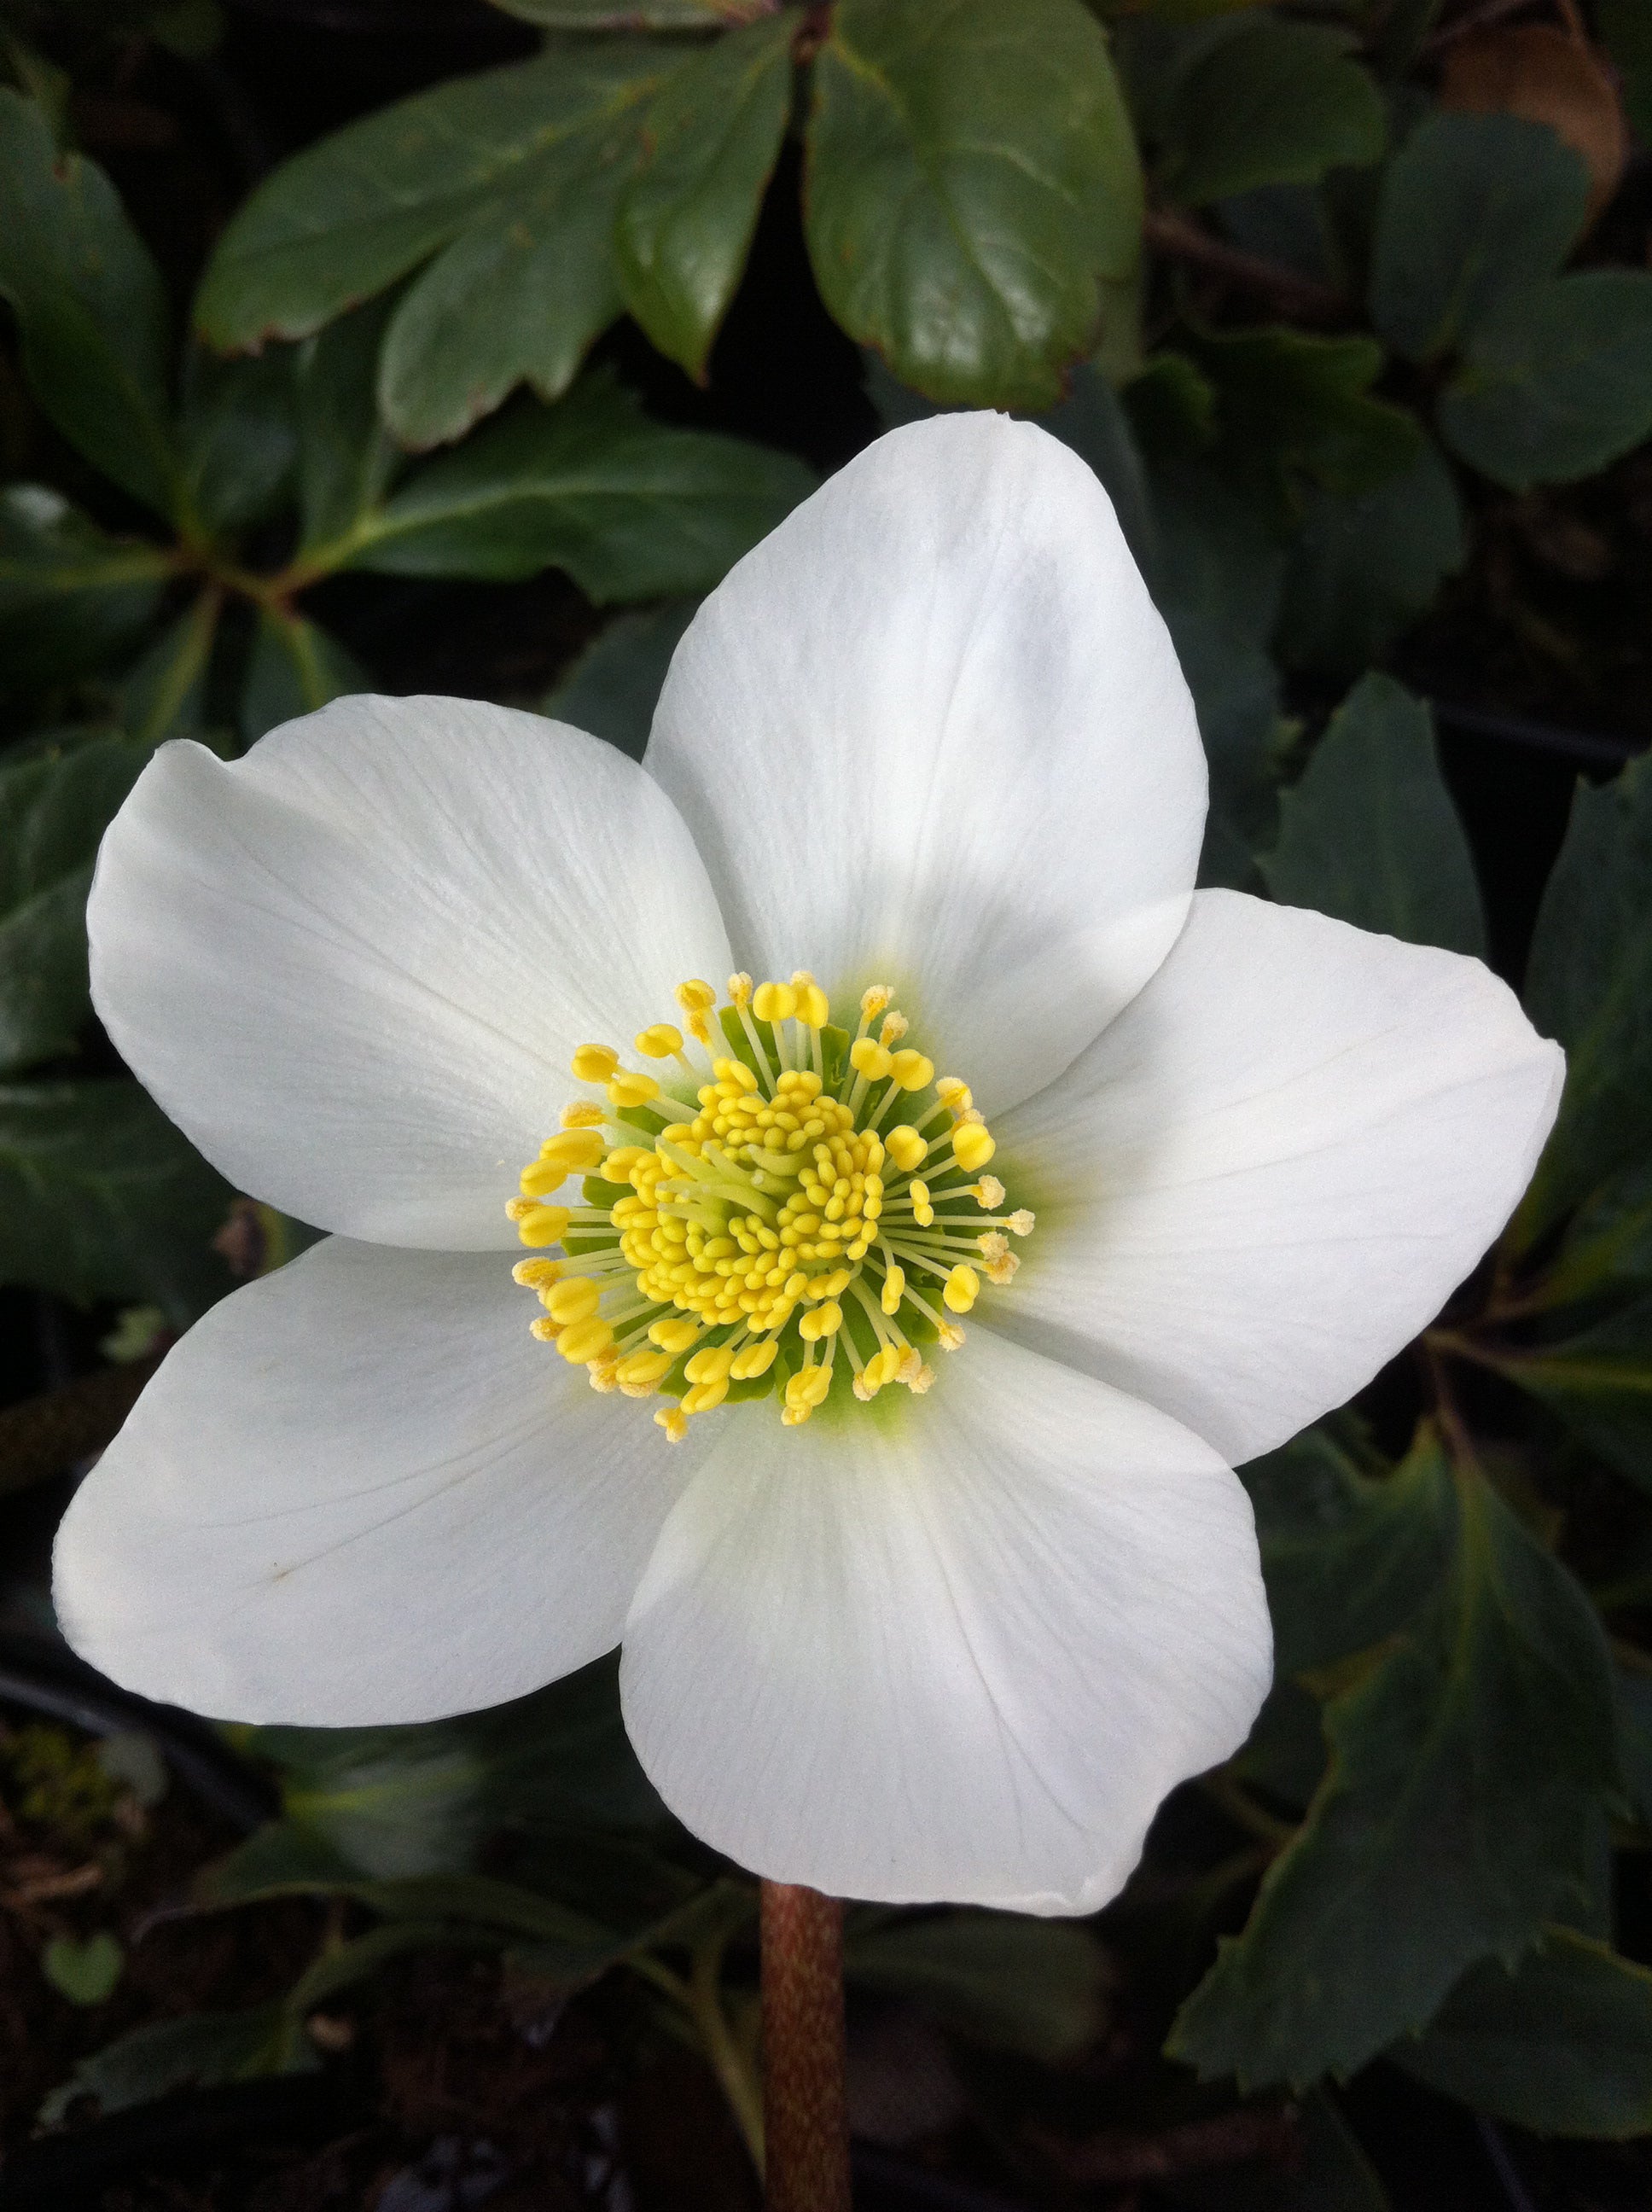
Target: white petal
1272, 1171
360, 1491
932, 733
353, 966
959, 1650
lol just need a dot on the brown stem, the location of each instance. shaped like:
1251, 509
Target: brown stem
44, 1435
805, 2116
1179, 239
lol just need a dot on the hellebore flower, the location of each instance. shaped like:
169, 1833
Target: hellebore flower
903, 1615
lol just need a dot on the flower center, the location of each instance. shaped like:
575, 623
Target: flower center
787, 1210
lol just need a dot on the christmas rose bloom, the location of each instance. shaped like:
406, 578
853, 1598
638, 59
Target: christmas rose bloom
892, 1315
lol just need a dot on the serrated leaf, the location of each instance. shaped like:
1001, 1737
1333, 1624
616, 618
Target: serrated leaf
90, 306
1462, 1809
1275, 103
1561, 2044
1589, 984
614, 686
346, 459
1369, 833
972, 181
1472, 208
631, 508
510, 177
238, 432
70, 596
100, 1197
997, 1979
1557, 382
1361, 571
53, 812
710, 142
295, 667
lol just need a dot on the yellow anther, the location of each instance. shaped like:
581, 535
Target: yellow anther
820, 1320
710, 1365
906, 1148
545, 1330
773, 1002
604, 1374
587, 1340
739, 989
696, 997
574, 1299
922, 1380
631, 1087
540, 1177
950, 1336
659, 1041
595, 1063
617, 1167
912, 1071
575, 1151
1002, 1268
674, 1336
583, 1113
537, 1274
961, 1289
643, 1369
922, 1211
895, 1283
809, 1386
870, 1059
1021, 1220
873, 999
675, 1423
884, 1366
706, 1397
752, 1360
542, 1224
955, 1096
814, 1008
793, 1417
895, 1026
989, 1193
972, 1145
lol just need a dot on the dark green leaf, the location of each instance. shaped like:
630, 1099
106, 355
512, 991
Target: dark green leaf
1472, 208
510, 178
1369, 834
1092, 420
346, 459
100, 1197
1013, 1983
614, 686
710, 142
1289, 225
1362, 570
1557, 382
972, 180
240, 437
295, 669
1600, 1382
632, 509
1561, 2044
1349, 1559
1332, 2173
1589, 984
631, 15
163, 694
1608, 1243
201, 2047
86, 1973
1462, 1809
70, 597
345, 1965
53, 811
1276, 103
1626, 28
90, 305
1300, 404
1635, 1739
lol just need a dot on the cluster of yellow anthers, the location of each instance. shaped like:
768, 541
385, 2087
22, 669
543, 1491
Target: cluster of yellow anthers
770, 1225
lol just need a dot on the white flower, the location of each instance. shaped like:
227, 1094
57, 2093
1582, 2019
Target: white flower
954, 1642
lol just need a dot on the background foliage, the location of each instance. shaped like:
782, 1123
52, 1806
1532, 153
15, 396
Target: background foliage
1339, 300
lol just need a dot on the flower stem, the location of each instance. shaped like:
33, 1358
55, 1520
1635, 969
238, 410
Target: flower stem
805, 2116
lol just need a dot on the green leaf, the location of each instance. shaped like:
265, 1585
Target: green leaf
1349, 1560
90, 306
1361, 571
1369, 834
1299, 403
631, 15
1557, 382
201, 2047
240, 437
163, 694
510, 177
1093, 421
997, 1979
1626, 29
54, 809
1276, 103
70, 596
710, 142
100, 1197
346, 459
295, 667
1472, 208
972, 183
1600, 1382
1560, 2045
632, 509
1589, 984
1463, 1807
614, 686
86, 1973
